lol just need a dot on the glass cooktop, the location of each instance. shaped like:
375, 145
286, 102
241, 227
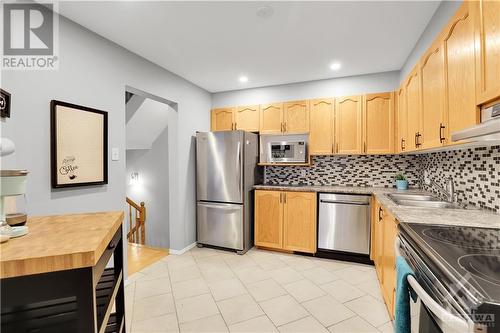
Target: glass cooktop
470, 255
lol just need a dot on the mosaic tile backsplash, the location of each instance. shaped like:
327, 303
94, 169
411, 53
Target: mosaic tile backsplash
476, 172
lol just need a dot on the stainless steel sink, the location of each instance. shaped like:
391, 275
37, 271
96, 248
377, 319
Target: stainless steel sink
415, 197
426, 204
420, 200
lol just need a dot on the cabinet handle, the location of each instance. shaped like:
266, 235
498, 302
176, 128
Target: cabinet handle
281, 195
364, 147
380, 213
403, 144
441, 136
235, 125
284, 198
282, 127
337, 148
417, 141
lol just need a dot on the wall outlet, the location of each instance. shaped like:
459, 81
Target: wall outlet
115, 154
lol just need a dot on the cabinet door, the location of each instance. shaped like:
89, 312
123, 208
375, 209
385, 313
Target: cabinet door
247, 118
432, 97
321, 126
269, 219
299, 223
348, 128
378, 123
296, 117
412, 87
379, 242
389, 262
460, 68
402, 136
271, 118
487, 42
222, 119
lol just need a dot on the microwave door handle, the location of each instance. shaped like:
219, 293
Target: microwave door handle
457, 323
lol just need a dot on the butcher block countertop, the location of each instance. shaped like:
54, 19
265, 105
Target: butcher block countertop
59, 242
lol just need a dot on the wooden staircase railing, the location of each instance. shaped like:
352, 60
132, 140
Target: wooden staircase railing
137, 231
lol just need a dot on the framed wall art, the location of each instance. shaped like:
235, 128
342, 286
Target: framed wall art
79, 145
4, 104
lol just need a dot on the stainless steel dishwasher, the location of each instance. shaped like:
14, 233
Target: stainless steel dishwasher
344, 223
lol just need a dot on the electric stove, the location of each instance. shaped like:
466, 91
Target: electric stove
466, 261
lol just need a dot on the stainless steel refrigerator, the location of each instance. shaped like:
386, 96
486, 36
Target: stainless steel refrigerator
226, 170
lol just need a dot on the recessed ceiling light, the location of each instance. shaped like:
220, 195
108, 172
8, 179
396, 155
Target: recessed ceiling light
265, 11
243, 79
335, 66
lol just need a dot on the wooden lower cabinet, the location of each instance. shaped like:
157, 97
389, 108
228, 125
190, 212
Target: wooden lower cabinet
299, 222
269, 219
285, 220
384, 237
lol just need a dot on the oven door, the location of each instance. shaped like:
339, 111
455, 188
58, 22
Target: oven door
436, 311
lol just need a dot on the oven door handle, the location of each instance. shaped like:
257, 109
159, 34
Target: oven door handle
454, 322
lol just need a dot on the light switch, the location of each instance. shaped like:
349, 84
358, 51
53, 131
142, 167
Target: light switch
115, 154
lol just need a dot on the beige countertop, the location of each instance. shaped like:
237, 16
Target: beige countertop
59, 242
462, 217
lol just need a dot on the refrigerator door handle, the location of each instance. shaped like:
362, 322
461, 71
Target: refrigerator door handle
218, 206
238, 166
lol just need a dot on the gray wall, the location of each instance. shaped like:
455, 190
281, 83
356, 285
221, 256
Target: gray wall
152, 166
438, 21
94, 72
312, 89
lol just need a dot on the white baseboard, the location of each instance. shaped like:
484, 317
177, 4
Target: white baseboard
184, 250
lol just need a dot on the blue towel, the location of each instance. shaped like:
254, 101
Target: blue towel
402, 322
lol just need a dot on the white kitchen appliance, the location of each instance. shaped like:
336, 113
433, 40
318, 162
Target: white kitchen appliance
288, 148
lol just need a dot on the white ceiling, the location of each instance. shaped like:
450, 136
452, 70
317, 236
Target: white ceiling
213, 43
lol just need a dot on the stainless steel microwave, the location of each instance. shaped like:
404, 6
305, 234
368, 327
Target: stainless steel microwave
284, 148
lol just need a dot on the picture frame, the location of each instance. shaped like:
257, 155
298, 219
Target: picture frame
4, 104
79, 145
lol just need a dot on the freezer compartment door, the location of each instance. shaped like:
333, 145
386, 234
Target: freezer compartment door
220, 224
219, 166
344, 227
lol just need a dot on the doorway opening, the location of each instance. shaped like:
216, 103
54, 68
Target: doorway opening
150, 138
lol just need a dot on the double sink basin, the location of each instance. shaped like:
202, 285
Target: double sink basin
420, 200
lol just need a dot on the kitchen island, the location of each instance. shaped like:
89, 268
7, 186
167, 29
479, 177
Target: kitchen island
59, 277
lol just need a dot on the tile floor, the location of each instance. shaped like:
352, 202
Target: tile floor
207, 290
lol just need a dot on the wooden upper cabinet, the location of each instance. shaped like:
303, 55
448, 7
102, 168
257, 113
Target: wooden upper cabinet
432, 97
412, 92
299, 222
222, 119
271, 118
321, 126
246, 118
268, 225
487, 44
459, 55
348, 129
402, 124
296, 117
378, 123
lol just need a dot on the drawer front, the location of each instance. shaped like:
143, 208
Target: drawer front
220, 224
